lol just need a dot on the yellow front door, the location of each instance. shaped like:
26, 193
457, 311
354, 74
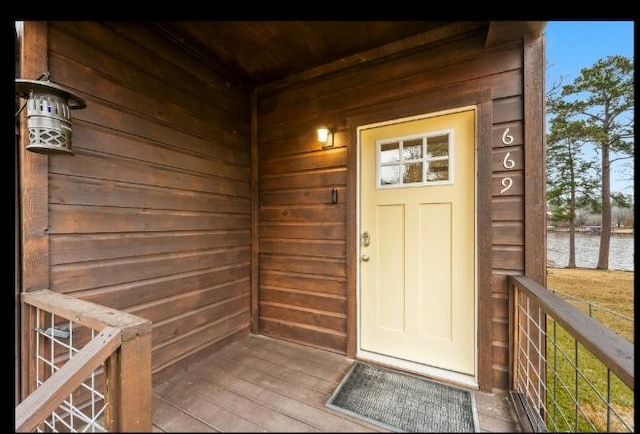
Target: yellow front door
417, 241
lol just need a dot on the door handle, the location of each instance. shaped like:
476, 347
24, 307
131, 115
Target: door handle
365, 258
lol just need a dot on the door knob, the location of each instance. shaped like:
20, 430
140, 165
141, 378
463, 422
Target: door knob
365, 258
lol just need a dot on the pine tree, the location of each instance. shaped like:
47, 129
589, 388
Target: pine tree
602, 98
570, 177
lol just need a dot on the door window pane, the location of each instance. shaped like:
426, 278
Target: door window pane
412, 149
423, 159
438, 171
389, 175
389, 152
438, 146
412, 173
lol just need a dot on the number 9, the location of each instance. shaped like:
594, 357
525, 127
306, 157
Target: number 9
506, 184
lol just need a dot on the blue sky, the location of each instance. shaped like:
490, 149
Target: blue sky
573, 45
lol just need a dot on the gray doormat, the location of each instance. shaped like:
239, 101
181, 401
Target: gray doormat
404, 403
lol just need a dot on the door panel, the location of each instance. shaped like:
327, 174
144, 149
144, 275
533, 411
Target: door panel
417, 273
390, 303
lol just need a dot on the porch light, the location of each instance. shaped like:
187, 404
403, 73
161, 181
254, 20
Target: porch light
323, 137
48, 115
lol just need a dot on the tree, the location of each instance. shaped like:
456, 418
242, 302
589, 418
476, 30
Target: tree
602, 99
622, 209
570, 178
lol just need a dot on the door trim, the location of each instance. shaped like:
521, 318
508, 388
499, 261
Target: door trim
426, 102
449, 376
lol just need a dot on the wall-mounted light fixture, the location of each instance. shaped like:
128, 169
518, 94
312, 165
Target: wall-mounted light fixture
325, 136
48, 115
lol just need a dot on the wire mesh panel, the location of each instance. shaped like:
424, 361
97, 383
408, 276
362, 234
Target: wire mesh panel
566, 385
530, 367
84, 367
584, 395
59, 340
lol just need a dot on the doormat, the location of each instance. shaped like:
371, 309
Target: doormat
404, 403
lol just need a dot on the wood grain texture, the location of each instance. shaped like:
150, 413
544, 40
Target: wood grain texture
428, 37
484, 239
153, 213
291, 163
255, 221
508, 233
133, 385
535, 156
279, 381
33, 184
446, 65
190, 195
32, 193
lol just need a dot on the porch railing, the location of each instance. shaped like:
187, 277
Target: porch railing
84, 367
569, 373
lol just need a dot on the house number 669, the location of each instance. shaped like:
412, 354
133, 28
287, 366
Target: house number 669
507, 162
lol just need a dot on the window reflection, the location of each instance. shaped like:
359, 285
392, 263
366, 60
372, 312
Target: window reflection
412, 149
438, 171
412, 173
416, 160
389, 152
389, 175
438, 146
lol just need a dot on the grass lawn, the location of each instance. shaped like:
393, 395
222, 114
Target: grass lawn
612, 290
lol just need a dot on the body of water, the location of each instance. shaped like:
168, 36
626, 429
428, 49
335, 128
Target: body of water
587, 246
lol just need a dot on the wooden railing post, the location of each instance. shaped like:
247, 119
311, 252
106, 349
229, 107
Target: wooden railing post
513, 335
129, 386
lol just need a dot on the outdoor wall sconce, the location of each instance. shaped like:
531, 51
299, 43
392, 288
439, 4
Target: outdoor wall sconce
325, 136
48, 115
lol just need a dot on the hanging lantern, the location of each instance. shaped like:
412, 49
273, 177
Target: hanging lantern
48, 115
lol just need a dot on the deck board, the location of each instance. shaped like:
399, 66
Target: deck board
260, 384
168, 418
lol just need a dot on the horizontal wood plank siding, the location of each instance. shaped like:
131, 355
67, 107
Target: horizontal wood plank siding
152, 215
302, 236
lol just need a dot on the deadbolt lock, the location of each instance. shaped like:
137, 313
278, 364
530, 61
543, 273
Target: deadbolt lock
366, 239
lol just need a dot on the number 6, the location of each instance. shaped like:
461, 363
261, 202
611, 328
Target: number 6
506, 138
508, 163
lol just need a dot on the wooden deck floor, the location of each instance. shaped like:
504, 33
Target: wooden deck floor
261, 384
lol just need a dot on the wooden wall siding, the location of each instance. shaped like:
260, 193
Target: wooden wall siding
535, 156
303, 256
33, 174
34, 215
153, 213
